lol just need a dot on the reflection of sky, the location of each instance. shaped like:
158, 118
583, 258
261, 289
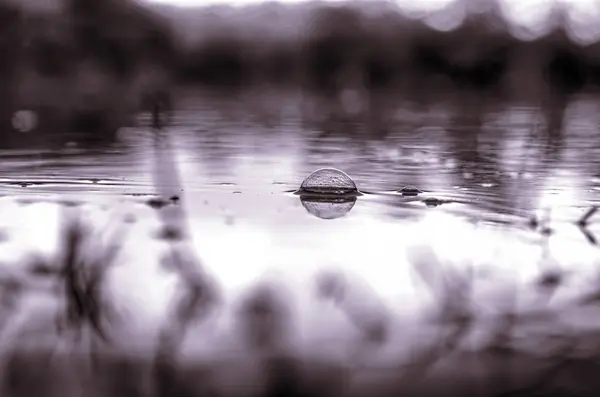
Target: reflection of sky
291, 247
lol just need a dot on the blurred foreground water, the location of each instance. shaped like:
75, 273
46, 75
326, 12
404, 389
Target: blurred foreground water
202, 273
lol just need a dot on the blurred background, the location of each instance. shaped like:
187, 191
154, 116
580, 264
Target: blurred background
491, 106
85, 66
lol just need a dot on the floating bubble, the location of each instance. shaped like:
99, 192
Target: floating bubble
328, 208
328, 181
24, 120
410, 191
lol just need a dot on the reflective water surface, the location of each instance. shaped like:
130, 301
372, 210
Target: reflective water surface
372, 281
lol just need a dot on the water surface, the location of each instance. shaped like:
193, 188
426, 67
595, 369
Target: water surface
513, 180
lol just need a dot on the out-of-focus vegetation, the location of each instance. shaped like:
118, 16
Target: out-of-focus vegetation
82, 65
87, 65
376, 45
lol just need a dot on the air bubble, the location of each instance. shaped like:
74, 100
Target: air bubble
328, 181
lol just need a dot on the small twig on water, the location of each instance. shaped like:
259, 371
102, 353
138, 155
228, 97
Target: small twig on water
583, 221
589, 236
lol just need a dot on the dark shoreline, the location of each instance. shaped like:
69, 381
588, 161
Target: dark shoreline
479, 374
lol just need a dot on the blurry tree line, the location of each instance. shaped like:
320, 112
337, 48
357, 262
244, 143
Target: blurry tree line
326, 46
81, 65
86, 64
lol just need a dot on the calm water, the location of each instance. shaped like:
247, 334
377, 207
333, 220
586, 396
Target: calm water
498, 165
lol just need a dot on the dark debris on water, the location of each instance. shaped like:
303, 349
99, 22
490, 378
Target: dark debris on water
159, 202
410, 191
583, 221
